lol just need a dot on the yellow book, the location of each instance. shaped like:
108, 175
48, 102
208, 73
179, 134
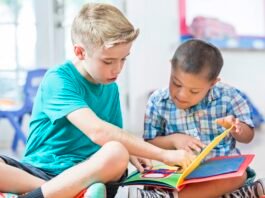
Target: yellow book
202, 155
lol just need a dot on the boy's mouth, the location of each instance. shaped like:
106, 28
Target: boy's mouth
181, 101
112, 79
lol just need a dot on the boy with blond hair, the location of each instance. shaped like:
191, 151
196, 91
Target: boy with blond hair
193, 111
76, 137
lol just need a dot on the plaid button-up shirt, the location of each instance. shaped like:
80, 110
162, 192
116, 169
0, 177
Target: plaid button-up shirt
163, 118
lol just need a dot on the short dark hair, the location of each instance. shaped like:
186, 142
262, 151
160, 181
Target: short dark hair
194, 56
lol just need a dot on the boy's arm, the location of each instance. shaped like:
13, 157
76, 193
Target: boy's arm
238, 115
102, 132
178, 141
241, 132
244, 134
164, 142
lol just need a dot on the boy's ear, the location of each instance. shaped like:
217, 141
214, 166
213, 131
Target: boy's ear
79, 52
215, 81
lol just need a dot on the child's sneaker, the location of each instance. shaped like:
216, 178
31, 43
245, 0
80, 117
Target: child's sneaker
155, 193
8, 195
97, 190
254, 190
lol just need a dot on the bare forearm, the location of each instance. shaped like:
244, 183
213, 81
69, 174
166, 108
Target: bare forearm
246, 135
241, 131
135, 145
164, 142
102, 132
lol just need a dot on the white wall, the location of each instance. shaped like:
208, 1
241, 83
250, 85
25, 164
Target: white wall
246, 70
149, 67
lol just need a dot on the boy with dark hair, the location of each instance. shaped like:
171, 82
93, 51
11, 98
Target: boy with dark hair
193, 111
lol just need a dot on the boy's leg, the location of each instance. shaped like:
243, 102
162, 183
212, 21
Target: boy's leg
108, 164
15, 180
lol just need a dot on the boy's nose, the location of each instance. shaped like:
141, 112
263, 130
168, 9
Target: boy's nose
182, 95
117, 69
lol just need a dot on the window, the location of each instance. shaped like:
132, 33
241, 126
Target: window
18, 34
18, 39
34, 34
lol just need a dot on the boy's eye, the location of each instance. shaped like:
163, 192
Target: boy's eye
177, 85
194, 92
107, 62
124, 59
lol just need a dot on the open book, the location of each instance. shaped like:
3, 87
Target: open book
215, 168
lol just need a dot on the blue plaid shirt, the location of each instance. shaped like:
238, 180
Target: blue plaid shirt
164, 118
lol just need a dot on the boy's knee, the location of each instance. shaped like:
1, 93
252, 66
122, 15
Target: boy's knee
2, 161
117, 149
117, 152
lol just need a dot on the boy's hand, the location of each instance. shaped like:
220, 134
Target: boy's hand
141, 163
180, 158
240, 131
229, 121
188, 143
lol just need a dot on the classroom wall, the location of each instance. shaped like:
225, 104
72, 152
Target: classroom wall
149, 68
246, 70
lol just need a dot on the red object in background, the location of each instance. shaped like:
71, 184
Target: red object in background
211, 28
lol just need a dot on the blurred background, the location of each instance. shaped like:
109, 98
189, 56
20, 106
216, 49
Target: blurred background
35, 34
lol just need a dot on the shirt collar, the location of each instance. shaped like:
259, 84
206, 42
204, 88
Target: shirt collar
213, 94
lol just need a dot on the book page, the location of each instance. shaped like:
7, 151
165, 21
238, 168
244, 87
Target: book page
161, 175
202, 155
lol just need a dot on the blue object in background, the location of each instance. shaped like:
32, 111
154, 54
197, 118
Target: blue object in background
256, 116
15, 114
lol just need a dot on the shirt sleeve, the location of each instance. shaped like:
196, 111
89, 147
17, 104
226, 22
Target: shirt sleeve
153, 122
240, 108
60, 96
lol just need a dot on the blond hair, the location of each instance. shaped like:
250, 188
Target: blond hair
99, 25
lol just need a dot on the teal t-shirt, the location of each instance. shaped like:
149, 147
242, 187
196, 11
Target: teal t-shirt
54, 144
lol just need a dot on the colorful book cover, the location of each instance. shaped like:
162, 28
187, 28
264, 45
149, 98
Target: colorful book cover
170, 177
